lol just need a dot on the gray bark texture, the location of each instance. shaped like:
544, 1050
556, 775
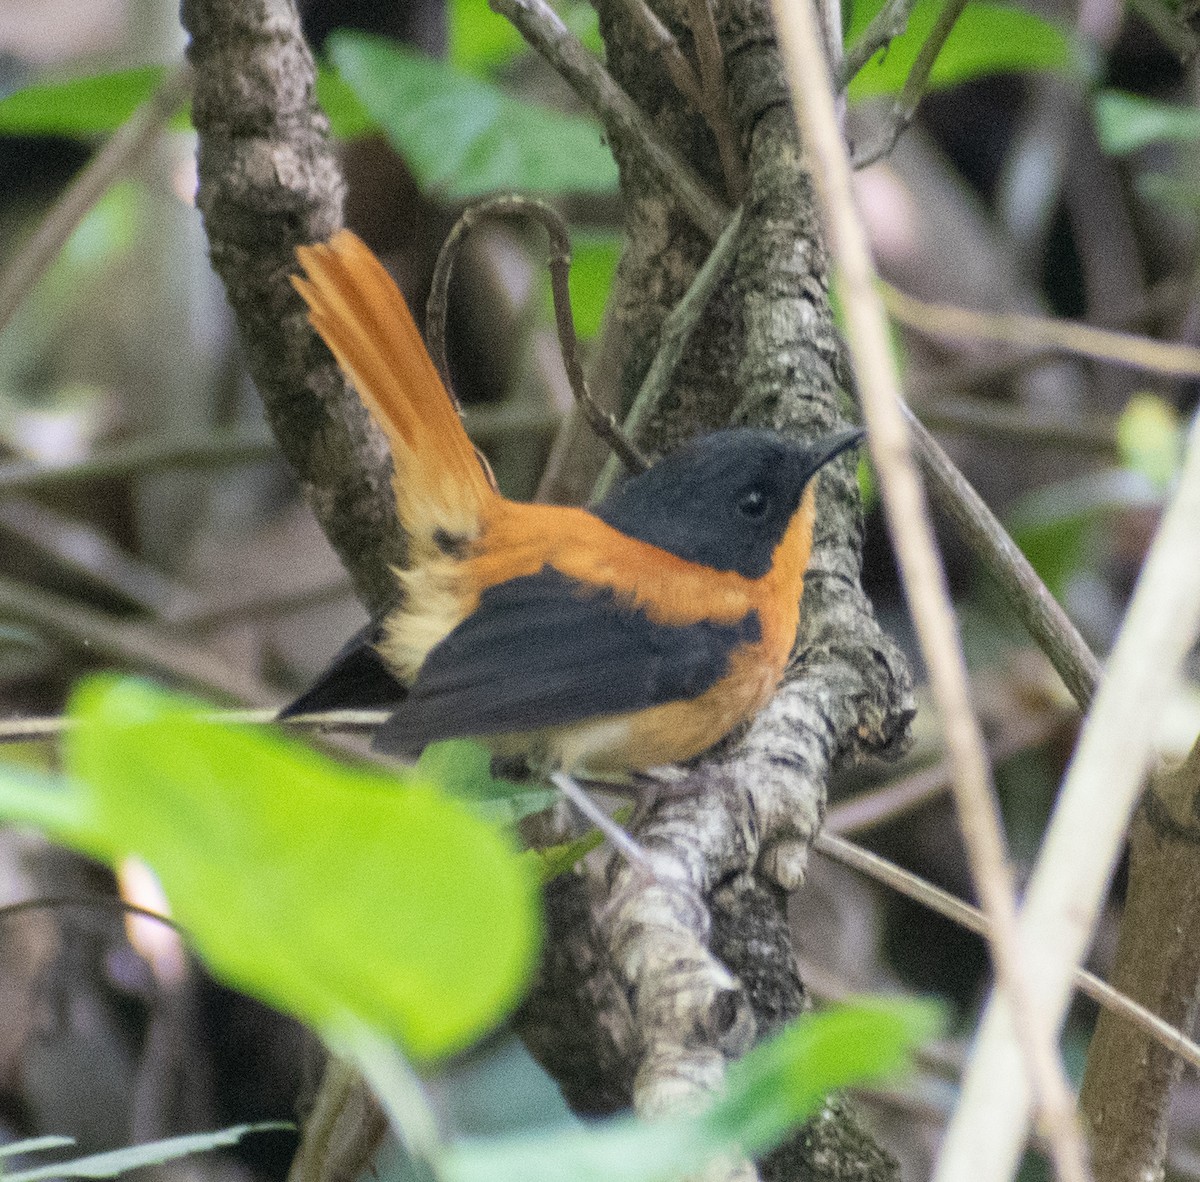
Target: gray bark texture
268, 183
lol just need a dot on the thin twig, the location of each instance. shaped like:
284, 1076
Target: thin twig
716, 99
673, 340
541, 26
120, 151
617, 837
912, 886
707, 92
886, 25
89, 902
948, 321
138, 456
67, 544
914, 85
559, 264
1087, 831
1028, 596
97, 634
998, 420
921, 571
29, 730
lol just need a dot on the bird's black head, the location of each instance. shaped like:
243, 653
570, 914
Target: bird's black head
724, 500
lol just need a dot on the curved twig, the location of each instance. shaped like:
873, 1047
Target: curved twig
559, 264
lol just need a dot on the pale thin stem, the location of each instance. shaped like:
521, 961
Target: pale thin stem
29, 730
121, 149
950, 322
1086, 832
617, 837
912, 886
920, 567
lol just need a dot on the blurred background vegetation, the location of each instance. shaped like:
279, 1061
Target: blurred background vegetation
146, 522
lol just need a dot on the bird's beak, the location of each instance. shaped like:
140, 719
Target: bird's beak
821, 451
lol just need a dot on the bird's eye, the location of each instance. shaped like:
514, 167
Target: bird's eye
753, 504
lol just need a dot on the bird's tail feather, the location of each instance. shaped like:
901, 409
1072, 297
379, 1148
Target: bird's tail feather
439, 482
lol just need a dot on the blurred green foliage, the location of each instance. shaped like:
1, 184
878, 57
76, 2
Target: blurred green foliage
387, 923
776, 1086
987, 39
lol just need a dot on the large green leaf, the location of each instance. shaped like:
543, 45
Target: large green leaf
326, 890
770, 1091
100, 103
988, 38
80, 106
1128, 122
463, 137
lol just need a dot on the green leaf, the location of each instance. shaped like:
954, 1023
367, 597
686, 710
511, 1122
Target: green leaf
1150, 437
594, 259
774, 1088
322, 889
464, 769
463, 137
154, 1153
1127, 122
479, 39
786, 1078
1054, 527
348, 118
988, 38
80, 106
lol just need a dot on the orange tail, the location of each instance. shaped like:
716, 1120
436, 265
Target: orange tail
353, 303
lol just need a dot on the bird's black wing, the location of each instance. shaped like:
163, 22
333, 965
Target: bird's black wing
547, 650
356, 679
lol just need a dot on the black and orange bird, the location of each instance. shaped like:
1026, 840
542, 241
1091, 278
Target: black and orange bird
600, 641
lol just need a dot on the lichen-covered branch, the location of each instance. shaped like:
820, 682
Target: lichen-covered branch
688, 989
269, 182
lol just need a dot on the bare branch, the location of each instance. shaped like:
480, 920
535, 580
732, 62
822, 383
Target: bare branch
886, 25
559, 263
540, 25
673, 340
1171, 1038
1033, 332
